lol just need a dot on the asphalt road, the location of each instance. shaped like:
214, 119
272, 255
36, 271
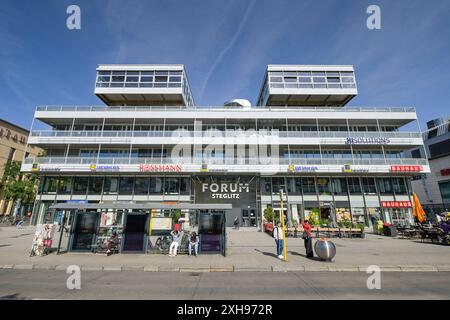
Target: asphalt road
35, 284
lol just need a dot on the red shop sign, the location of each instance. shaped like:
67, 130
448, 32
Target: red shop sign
445, 172
396, 204
407, 168
160, 168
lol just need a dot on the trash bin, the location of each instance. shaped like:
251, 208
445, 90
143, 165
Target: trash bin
390, 231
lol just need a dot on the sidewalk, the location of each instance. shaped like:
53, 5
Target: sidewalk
247, 251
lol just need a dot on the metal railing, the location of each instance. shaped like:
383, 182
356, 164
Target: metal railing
227, 133
221, 108
226, 161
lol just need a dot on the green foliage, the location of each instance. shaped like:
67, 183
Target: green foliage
270, 216
175, 214
360, 226
294, 223
16, 185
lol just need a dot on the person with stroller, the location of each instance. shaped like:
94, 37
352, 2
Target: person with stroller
193, 242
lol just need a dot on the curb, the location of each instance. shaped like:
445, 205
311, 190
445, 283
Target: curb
277, 268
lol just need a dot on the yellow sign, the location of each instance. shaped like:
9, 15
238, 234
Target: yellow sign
35, 166
291, 168
204, 167
93, 167
347, 168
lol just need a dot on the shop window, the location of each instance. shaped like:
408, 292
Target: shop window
354, 187
308, 186
444, 188
95, 185
156, 184
278, 184
80, 185
141, 186
339, 186
358, 216
323, 186
385, 186
111, 185
369, 185
126, 185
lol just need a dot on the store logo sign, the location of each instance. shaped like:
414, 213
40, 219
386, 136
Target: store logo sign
445, 172
347, 168
406, 168
367, 140
396, 204
225, 190
293, 168
204, 167
34, 167
160, 167
95, 167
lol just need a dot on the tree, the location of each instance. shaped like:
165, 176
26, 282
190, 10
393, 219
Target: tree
175, 214
270, 216
17, 185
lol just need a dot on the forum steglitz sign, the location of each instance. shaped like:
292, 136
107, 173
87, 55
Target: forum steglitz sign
225, 190
367, 140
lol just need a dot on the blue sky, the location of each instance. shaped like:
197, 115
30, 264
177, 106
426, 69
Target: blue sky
225, 47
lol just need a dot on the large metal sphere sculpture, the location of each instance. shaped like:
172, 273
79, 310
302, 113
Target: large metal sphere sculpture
325, 249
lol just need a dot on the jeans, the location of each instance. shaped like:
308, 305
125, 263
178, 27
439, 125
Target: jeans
173, 248
195, 248
280, 246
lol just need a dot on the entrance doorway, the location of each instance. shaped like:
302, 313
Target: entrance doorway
135, 235
249, 217
84, 232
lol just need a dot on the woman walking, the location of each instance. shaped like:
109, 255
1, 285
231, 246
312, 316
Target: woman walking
307, 236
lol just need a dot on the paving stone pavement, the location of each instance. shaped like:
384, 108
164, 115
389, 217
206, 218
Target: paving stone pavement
248, 251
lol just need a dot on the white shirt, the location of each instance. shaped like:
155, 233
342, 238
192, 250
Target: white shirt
278, 233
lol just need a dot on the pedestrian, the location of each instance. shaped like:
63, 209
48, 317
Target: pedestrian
278, 236
174, 245
307, 237
193, 241
236, 223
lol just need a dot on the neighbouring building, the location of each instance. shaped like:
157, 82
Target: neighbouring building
13, 147
151, 149
433, 189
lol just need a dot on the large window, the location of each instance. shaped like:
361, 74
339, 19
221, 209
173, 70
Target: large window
95, 185
111, 185
65, 185
171, 185
399, 186
278, 184
126, 185
354, 187
385, 186
156, 184
80, 185
444, 187
141, 186
323, 186
294, 185
308, 186
339, 186
439, 149
50, 184
266, 186
185, 185
369, 185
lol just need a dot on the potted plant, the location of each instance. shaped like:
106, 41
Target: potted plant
175, 214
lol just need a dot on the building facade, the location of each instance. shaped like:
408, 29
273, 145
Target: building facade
13, 147
433, 189
151, 144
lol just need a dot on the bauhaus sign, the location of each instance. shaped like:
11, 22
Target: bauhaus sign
406, 168
396, 204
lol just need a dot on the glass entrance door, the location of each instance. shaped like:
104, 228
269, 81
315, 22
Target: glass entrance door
135, 233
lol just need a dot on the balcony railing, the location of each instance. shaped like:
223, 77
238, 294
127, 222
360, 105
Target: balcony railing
227, 133
221, 108
226, 161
